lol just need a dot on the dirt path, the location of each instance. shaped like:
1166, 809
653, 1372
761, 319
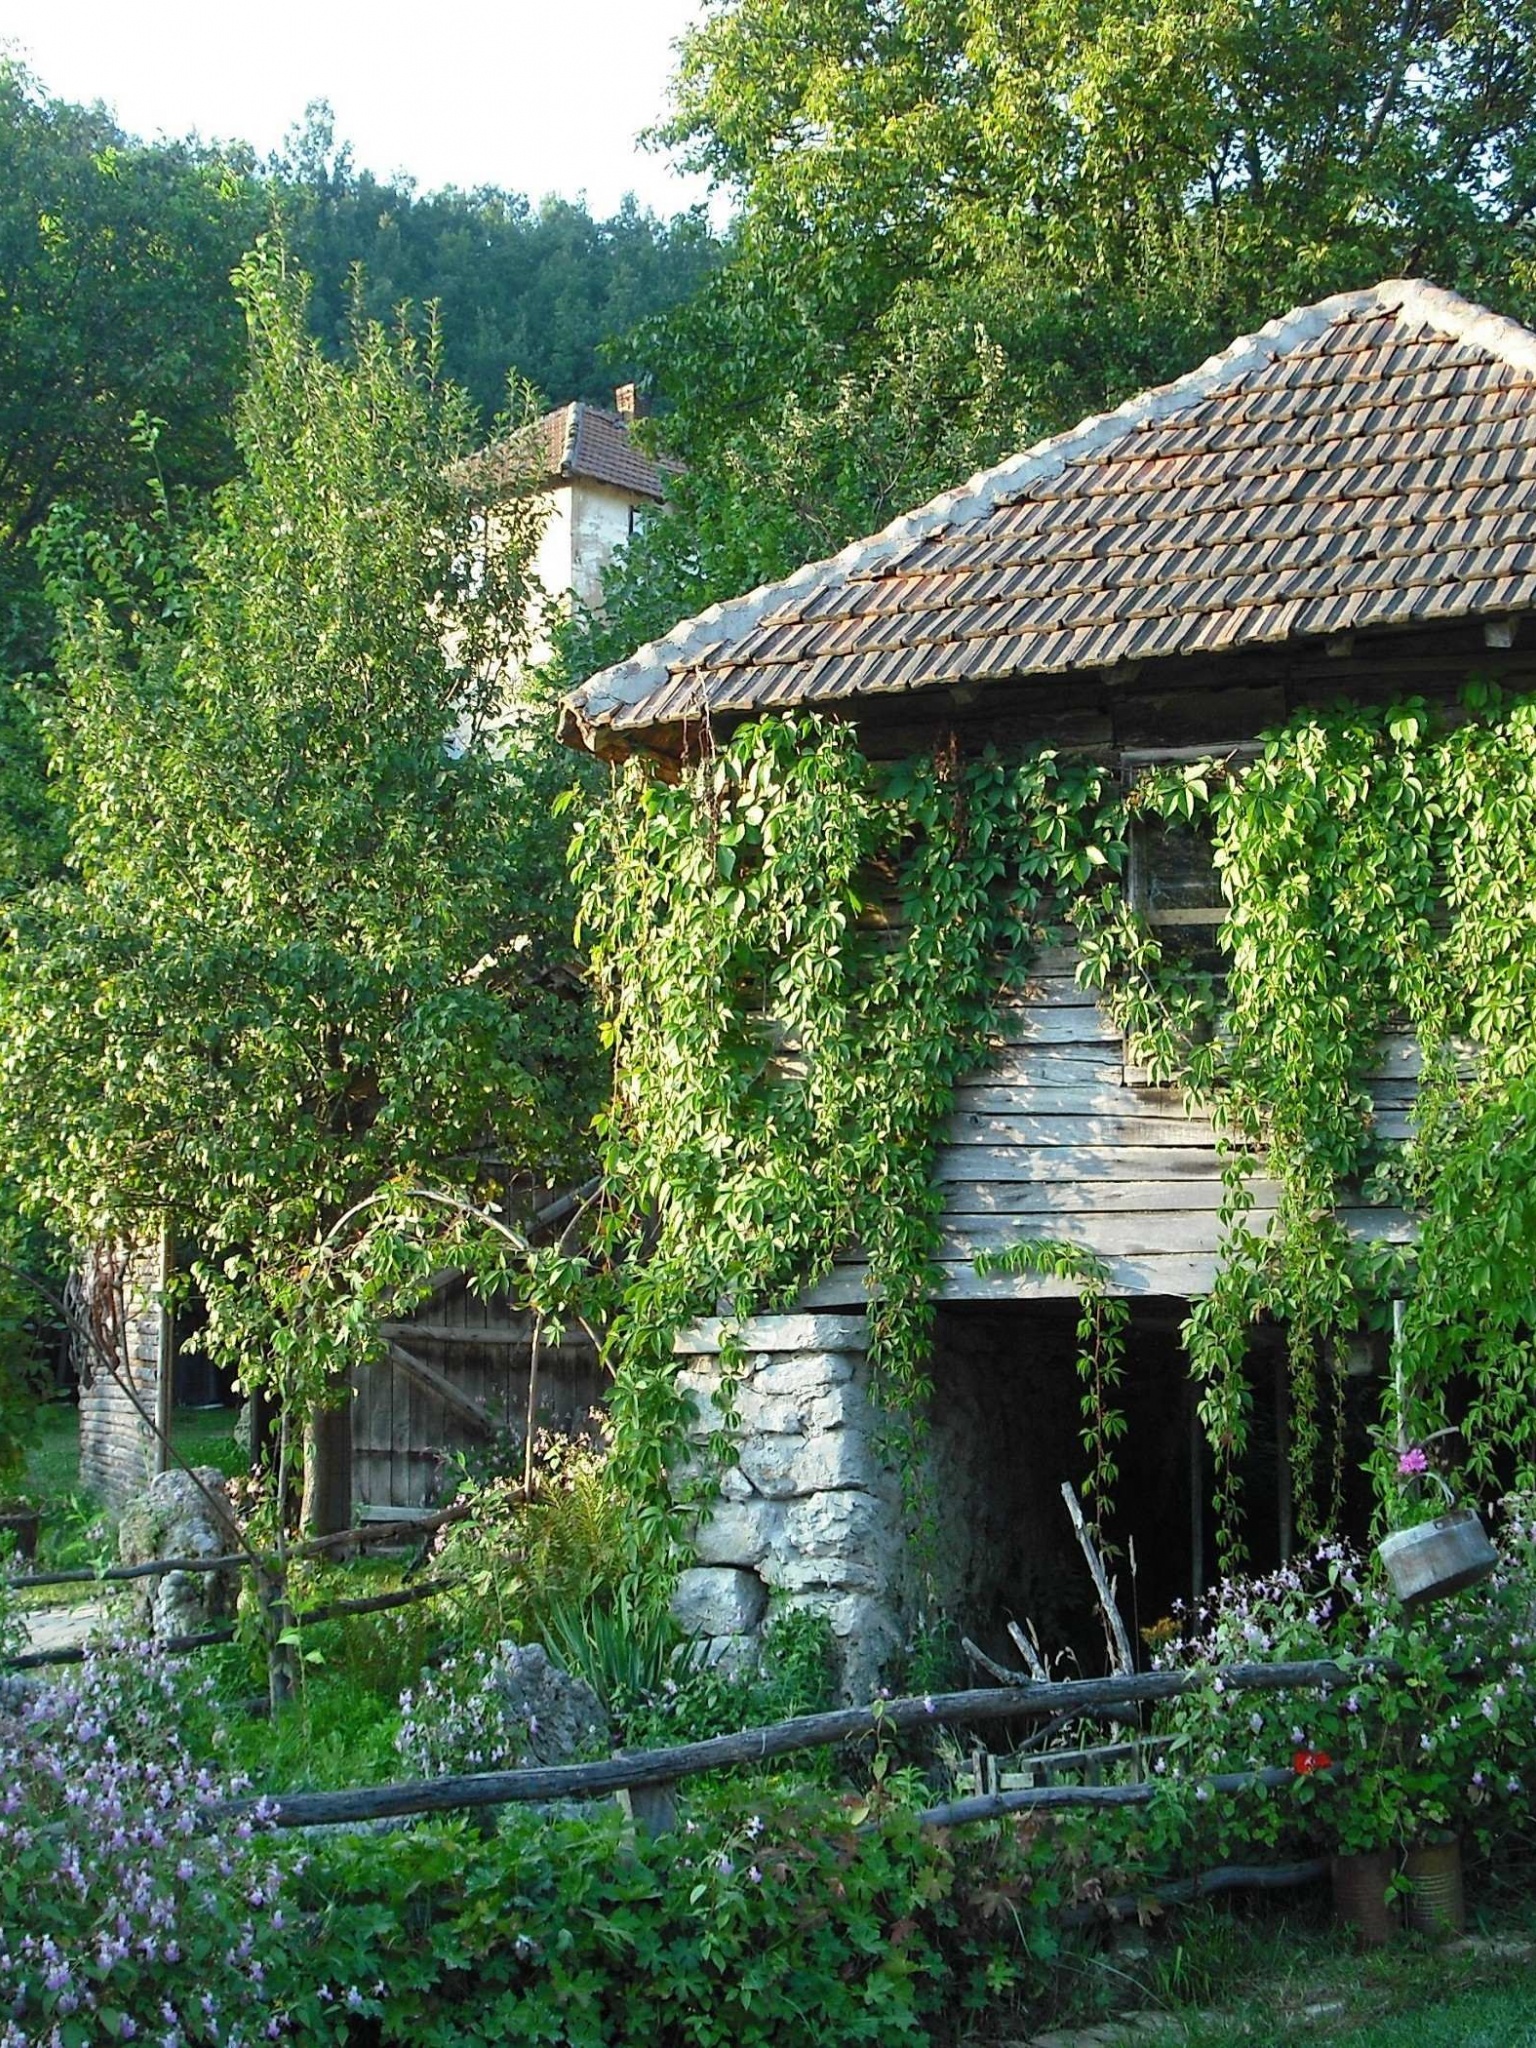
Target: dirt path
65, 1628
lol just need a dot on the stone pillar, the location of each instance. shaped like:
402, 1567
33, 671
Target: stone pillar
807, 1515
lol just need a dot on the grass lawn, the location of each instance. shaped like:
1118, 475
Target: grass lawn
1301, 1981
1484, 2017
52, 1470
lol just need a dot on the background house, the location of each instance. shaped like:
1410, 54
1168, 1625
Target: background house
596, 486
1343, 505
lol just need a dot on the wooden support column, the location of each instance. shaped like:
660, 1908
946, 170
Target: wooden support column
327, 1506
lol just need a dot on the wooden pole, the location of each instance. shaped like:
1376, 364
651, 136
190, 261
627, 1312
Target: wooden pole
165, 1355
1121, 1657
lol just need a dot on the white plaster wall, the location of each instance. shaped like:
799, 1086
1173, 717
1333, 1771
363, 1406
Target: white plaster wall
584, 525
599, 524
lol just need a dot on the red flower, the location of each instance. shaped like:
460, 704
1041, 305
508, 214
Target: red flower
1306, 1761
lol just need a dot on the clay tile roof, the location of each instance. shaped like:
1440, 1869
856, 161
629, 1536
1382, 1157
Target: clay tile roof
575, 440
1368, 461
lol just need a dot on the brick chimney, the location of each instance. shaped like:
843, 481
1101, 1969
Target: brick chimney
630, 404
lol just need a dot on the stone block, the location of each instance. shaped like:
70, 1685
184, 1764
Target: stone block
182, 1515
840, 1458
847, 1524
739, 1532
769, 1463
769, 1414
804, 1375
783, 1466
777, 1333
719, 1600
790, 1572
844, 1406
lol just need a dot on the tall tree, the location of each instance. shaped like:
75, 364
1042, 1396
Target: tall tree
311, 942
114, 302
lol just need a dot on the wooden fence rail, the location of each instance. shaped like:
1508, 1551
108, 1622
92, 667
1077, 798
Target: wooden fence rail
370, 1532
641, 1769
375, 1603
1034, 1798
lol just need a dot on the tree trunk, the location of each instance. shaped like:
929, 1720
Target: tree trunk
328, 1469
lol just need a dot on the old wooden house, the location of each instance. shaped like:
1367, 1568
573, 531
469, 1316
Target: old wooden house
1342, 505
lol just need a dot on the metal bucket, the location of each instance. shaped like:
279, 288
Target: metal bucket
1435, 1558
1360, 1894
1435, 1904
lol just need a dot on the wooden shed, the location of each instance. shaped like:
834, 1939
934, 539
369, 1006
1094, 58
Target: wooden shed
455, 1378
451, 1386
1340, 506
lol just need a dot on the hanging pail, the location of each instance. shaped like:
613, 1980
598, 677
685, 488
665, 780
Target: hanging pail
1436, 1558
1435, 1904
1360, 1894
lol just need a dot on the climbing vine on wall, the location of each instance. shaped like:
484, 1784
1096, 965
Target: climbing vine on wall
797, 954
1380, 868
1102, 1319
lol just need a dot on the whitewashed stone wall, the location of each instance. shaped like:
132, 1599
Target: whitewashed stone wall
117, 1446
808, 1516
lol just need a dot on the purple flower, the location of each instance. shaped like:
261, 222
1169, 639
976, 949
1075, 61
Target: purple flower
1412, 1461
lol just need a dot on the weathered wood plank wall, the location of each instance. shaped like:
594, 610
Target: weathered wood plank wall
457, 1359
117, 1446
1053, 1139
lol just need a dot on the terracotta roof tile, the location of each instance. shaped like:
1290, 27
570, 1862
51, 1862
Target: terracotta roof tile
575, 440
1368, 461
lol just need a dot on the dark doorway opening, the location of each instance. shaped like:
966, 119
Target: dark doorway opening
1006, 1431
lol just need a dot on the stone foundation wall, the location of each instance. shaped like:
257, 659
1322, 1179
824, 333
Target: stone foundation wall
808, 1516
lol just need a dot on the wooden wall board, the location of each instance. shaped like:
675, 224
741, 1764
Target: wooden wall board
1110, 1130
1051, 1197
970, 1158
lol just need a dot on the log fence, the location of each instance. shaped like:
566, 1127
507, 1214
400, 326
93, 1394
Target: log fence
207, 1638
363, 1536
645, 1769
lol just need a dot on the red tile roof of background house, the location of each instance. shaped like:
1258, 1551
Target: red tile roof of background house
574, 441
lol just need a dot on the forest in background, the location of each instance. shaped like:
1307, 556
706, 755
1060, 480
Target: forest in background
115, 263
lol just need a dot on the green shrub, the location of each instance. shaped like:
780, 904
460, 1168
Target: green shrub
795, 1675
781, 1925
519, 1561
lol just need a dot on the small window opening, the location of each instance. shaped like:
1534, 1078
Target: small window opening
1174, 879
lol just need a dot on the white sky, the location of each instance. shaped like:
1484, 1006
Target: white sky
536, 96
